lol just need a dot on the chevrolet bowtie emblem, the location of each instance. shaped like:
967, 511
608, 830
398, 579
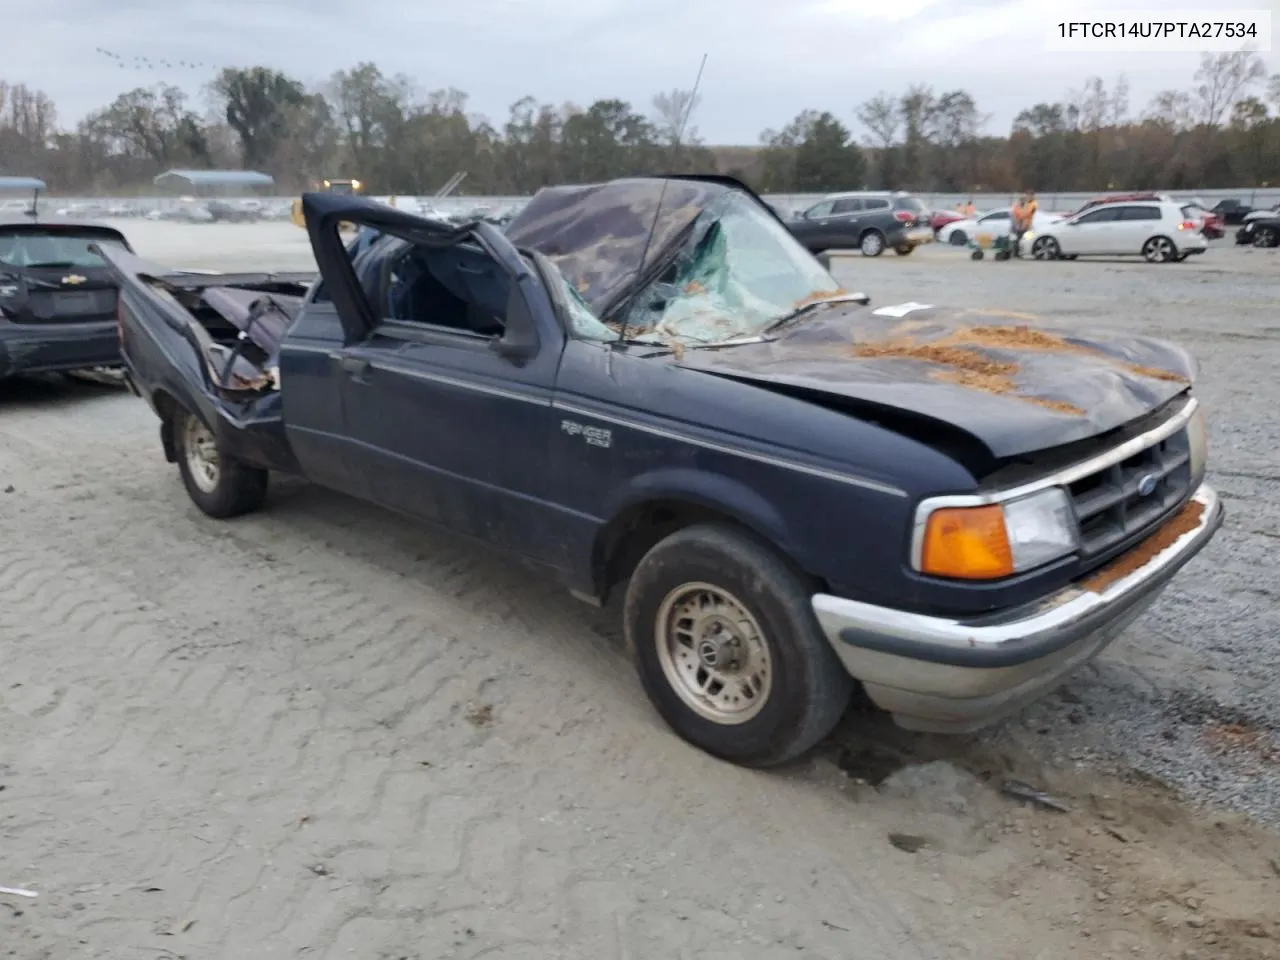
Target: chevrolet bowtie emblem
73, 279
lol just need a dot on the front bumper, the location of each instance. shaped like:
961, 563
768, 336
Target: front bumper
951, 676
48, 348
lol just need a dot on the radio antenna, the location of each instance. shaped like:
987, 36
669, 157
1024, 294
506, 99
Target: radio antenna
657, 214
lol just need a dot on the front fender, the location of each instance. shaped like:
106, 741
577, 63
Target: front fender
712, 491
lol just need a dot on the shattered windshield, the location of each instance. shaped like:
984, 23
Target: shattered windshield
739, 273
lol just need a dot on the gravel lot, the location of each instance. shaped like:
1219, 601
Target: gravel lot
321, 731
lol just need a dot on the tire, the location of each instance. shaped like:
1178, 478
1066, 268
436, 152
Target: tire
976, 255
1159, 249
872, 243
754, 608
220, 486
904, 251
1046, 248
1265, 237
958, 238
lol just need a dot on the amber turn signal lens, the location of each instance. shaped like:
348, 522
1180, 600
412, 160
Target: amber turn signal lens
968, 543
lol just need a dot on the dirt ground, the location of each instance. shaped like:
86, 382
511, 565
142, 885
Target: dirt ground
323, 732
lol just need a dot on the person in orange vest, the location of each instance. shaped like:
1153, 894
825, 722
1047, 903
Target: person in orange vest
1022, 216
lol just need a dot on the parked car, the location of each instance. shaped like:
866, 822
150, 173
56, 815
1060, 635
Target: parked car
57, 297
869, 222
1158, 231
993, 223
792, 494
1232, 211
940, 218
1266, 214
1260, 231
1210, 223
1122, 198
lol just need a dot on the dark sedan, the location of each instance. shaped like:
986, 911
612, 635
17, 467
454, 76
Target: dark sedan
1260, 231
57, 298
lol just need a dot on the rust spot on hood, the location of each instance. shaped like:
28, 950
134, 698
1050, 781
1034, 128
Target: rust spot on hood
1026, 338
963, 367
1184, 521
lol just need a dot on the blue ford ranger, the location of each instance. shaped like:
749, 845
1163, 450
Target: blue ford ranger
649, 384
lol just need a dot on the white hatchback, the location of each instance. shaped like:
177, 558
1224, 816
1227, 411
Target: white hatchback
1159, 231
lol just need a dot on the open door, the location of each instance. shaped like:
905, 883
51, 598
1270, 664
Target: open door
447, 371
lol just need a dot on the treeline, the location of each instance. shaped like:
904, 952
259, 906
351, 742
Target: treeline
1222, 131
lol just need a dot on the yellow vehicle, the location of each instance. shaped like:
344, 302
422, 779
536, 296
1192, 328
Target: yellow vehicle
344, 187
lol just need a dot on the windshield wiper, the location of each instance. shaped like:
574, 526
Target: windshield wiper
801, 311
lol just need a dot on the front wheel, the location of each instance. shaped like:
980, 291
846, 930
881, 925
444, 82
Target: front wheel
1265, 237
1159, 250
958, 238
1046, 248
220, 486
729, 650
872, 244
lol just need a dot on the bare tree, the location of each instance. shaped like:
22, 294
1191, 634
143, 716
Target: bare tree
1171, 108
1222, 80
1273, 90
1118, 112
669, 111
881, 118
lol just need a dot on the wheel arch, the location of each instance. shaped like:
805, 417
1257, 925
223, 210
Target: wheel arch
680, 499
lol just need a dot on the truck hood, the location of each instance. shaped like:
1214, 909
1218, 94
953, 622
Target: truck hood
1012, 381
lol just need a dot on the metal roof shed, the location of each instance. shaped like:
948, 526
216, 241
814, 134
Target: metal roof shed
25, 184
215, 182
31, 185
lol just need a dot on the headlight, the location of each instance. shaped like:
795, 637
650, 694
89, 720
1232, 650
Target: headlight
997, 540
1197, 445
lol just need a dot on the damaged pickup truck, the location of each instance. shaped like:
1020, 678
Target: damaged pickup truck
649, 384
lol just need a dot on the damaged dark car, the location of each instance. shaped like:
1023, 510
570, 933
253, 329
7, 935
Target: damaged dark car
57, 296
649, 385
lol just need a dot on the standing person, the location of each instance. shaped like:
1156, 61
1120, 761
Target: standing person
969, 208
1023, 213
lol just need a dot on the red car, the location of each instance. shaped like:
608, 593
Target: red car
940, 218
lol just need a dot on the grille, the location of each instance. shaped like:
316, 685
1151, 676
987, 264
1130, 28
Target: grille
1120, 502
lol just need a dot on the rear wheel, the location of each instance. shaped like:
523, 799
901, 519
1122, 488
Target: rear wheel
220, 486
904, 251
872, 243
1159, 250
728, 648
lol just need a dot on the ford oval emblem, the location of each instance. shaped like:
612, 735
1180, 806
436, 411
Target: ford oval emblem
1147, 485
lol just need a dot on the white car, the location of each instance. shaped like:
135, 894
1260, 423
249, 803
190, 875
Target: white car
1160, 231
996, 223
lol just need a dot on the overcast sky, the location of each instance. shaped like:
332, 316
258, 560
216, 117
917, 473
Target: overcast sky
767, 59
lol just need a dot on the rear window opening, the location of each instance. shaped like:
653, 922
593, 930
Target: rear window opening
53, 248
